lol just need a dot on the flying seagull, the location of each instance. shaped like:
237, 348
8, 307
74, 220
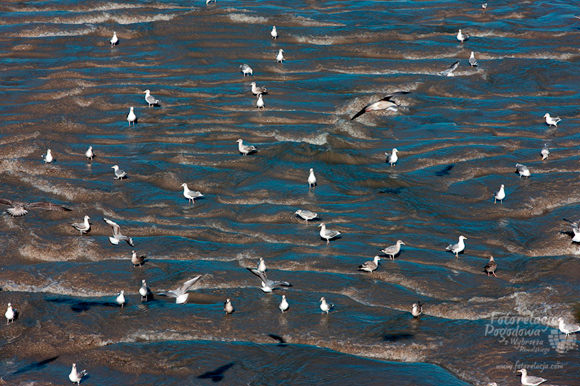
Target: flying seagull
384, 104
117, 236
18, 208
267, 284
181, 294
449, 71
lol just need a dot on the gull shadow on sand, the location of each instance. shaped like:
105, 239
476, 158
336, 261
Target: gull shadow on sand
216, 375
397, 337
445, 171
82, 306
281, 341
35, 365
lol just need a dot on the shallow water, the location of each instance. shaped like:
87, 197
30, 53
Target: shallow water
63, 87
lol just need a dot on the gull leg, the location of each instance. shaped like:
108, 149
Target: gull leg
494, 274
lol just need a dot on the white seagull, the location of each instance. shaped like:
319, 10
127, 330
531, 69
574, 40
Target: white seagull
191, 195
311, 179
209, 1
392, 158
274, 33
575, 229
545, 152
117, 236
120, 299
131, 117
551, 121
245, 149
258, 89
83, 227
89, 153
522, 170
267, 284
137, 260
450, 70
280, 56
145, 291
260, 102
182, 293
306, 214
393, 250
119, 174
149, 99
76, 376
417, 309
228, 308
114, 40
10, 314
371, 265
246, 69
283, 306
528, 380
261, 266
48, 158
384, 104
567, 328
500, 195
324, 306
327, 233
462, 36
457, 248
472, 60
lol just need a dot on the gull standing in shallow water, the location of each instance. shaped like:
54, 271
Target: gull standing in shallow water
283, 306
274, 33
528, 380
457, 248
258, 89
551, 121
490, 267
324, 306
392, 158
76, 376
83, 227
260, 102
306, 214
567, 328
119, 174
245, 149
384, 104
114, 40
117, 236
18, 208
417, 309
472, 60
500, 195
131, 117
327, 233
228, 308
182, 293
120, 299
393, 250
191, 195
370, 266
261, 266
450, 70
545, 152
149, 99
48, 158
267, 284
311, 179
10, 314
462, 36
145, 291
523, 170
246, 69
89, 153
280, 56
136, 260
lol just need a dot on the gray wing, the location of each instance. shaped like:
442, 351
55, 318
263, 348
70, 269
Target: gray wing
453, 67
46, 206
116, 228
261, 275
188, 284
279, 283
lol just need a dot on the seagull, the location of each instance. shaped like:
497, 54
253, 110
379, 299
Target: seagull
327, 233
324, 306
392, 158
89, 153
384, 104
48, 158
545, 152
149, 99
191, 195
306, 214
522, 170
267, 284
449, 71
10, 314
490, 267
209, 1
457, 248
83, 227
245, 149
131, 117
311, 180
119, 174
567, 328
75, 376
181, 294
258, 89
283, 306
120, 299
117, 236
575, 229
18, 208
484, 6
551, 121
371, 265
228, 308
261, 267
137, 260
462, 37
260, 102
472, 60
393, 250
274, 33
280, 56
500, 195
417, 309
114, 39
528, 380
144, 291
246, 70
